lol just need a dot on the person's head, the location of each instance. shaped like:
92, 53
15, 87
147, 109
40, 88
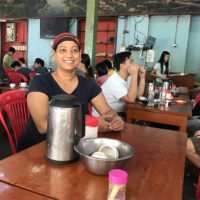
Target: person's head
39, 62
101, 68
11, 50
108, 63
15, 64
164, 58
21, 60
66, 51
122, 59
85, 60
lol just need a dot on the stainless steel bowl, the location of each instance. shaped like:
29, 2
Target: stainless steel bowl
87, 147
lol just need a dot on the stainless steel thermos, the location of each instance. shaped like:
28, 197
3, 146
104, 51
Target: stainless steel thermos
66, 125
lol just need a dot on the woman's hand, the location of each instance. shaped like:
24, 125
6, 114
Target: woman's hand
110, 122
116, 124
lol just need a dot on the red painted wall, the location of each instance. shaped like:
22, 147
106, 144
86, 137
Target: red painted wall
20, 44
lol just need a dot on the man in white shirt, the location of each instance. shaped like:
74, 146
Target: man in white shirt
116, 89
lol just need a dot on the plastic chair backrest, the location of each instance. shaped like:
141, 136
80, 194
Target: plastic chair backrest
13, 105
7, 70
32, 75
17, 78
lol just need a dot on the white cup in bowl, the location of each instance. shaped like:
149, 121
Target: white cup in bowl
99, 154
12, 85
109, 151
23, 84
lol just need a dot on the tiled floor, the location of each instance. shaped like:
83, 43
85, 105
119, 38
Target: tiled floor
188, 188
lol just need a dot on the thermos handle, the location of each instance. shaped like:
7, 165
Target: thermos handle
77, 137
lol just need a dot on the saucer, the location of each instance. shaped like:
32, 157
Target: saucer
23, 86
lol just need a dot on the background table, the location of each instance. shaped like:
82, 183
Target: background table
176, 115
155, 172
8, 88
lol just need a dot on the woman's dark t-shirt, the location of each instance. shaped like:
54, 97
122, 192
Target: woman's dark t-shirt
85, 91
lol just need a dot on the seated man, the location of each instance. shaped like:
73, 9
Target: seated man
39, 66
193, 149
22, 70
22, 62
117, 89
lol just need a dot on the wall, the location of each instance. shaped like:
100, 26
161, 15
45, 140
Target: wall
193, 56
39, 47
163, 28
184, 57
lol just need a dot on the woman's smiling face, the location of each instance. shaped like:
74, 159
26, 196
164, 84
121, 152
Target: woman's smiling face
67, 55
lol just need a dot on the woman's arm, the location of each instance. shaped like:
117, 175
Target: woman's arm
109, 119
172, 75
38, 107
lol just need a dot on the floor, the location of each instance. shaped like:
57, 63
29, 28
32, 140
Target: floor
189, 178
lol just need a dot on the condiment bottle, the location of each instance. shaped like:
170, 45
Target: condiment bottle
117, 184
91, 126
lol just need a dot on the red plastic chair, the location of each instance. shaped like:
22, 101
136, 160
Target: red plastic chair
13, 107
7, 70
32, 75
17, 78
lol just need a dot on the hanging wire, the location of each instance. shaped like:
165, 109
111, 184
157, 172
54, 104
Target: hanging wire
124, 31
175, 36
136, 29
72, 23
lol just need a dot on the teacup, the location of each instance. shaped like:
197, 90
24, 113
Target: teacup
99, 154
12, 85
23, 84
109, 151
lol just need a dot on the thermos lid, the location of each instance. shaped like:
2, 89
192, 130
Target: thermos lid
63, 101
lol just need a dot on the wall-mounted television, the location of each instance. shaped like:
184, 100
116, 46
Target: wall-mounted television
50, 27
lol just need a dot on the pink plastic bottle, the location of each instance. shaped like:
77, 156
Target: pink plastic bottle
117, 184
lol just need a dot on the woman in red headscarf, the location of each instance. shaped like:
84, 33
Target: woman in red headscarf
67, 55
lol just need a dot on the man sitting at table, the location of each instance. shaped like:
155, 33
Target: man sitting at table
122, 86
22, 70
193, 149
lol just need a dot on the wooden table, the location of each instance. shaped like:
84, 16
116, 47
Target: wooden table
11, 192
155, 172
188, 80
176, 115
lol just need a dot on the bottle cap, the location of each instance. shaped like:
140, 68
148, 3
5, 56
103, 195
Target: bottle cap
118, 176
91, 121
